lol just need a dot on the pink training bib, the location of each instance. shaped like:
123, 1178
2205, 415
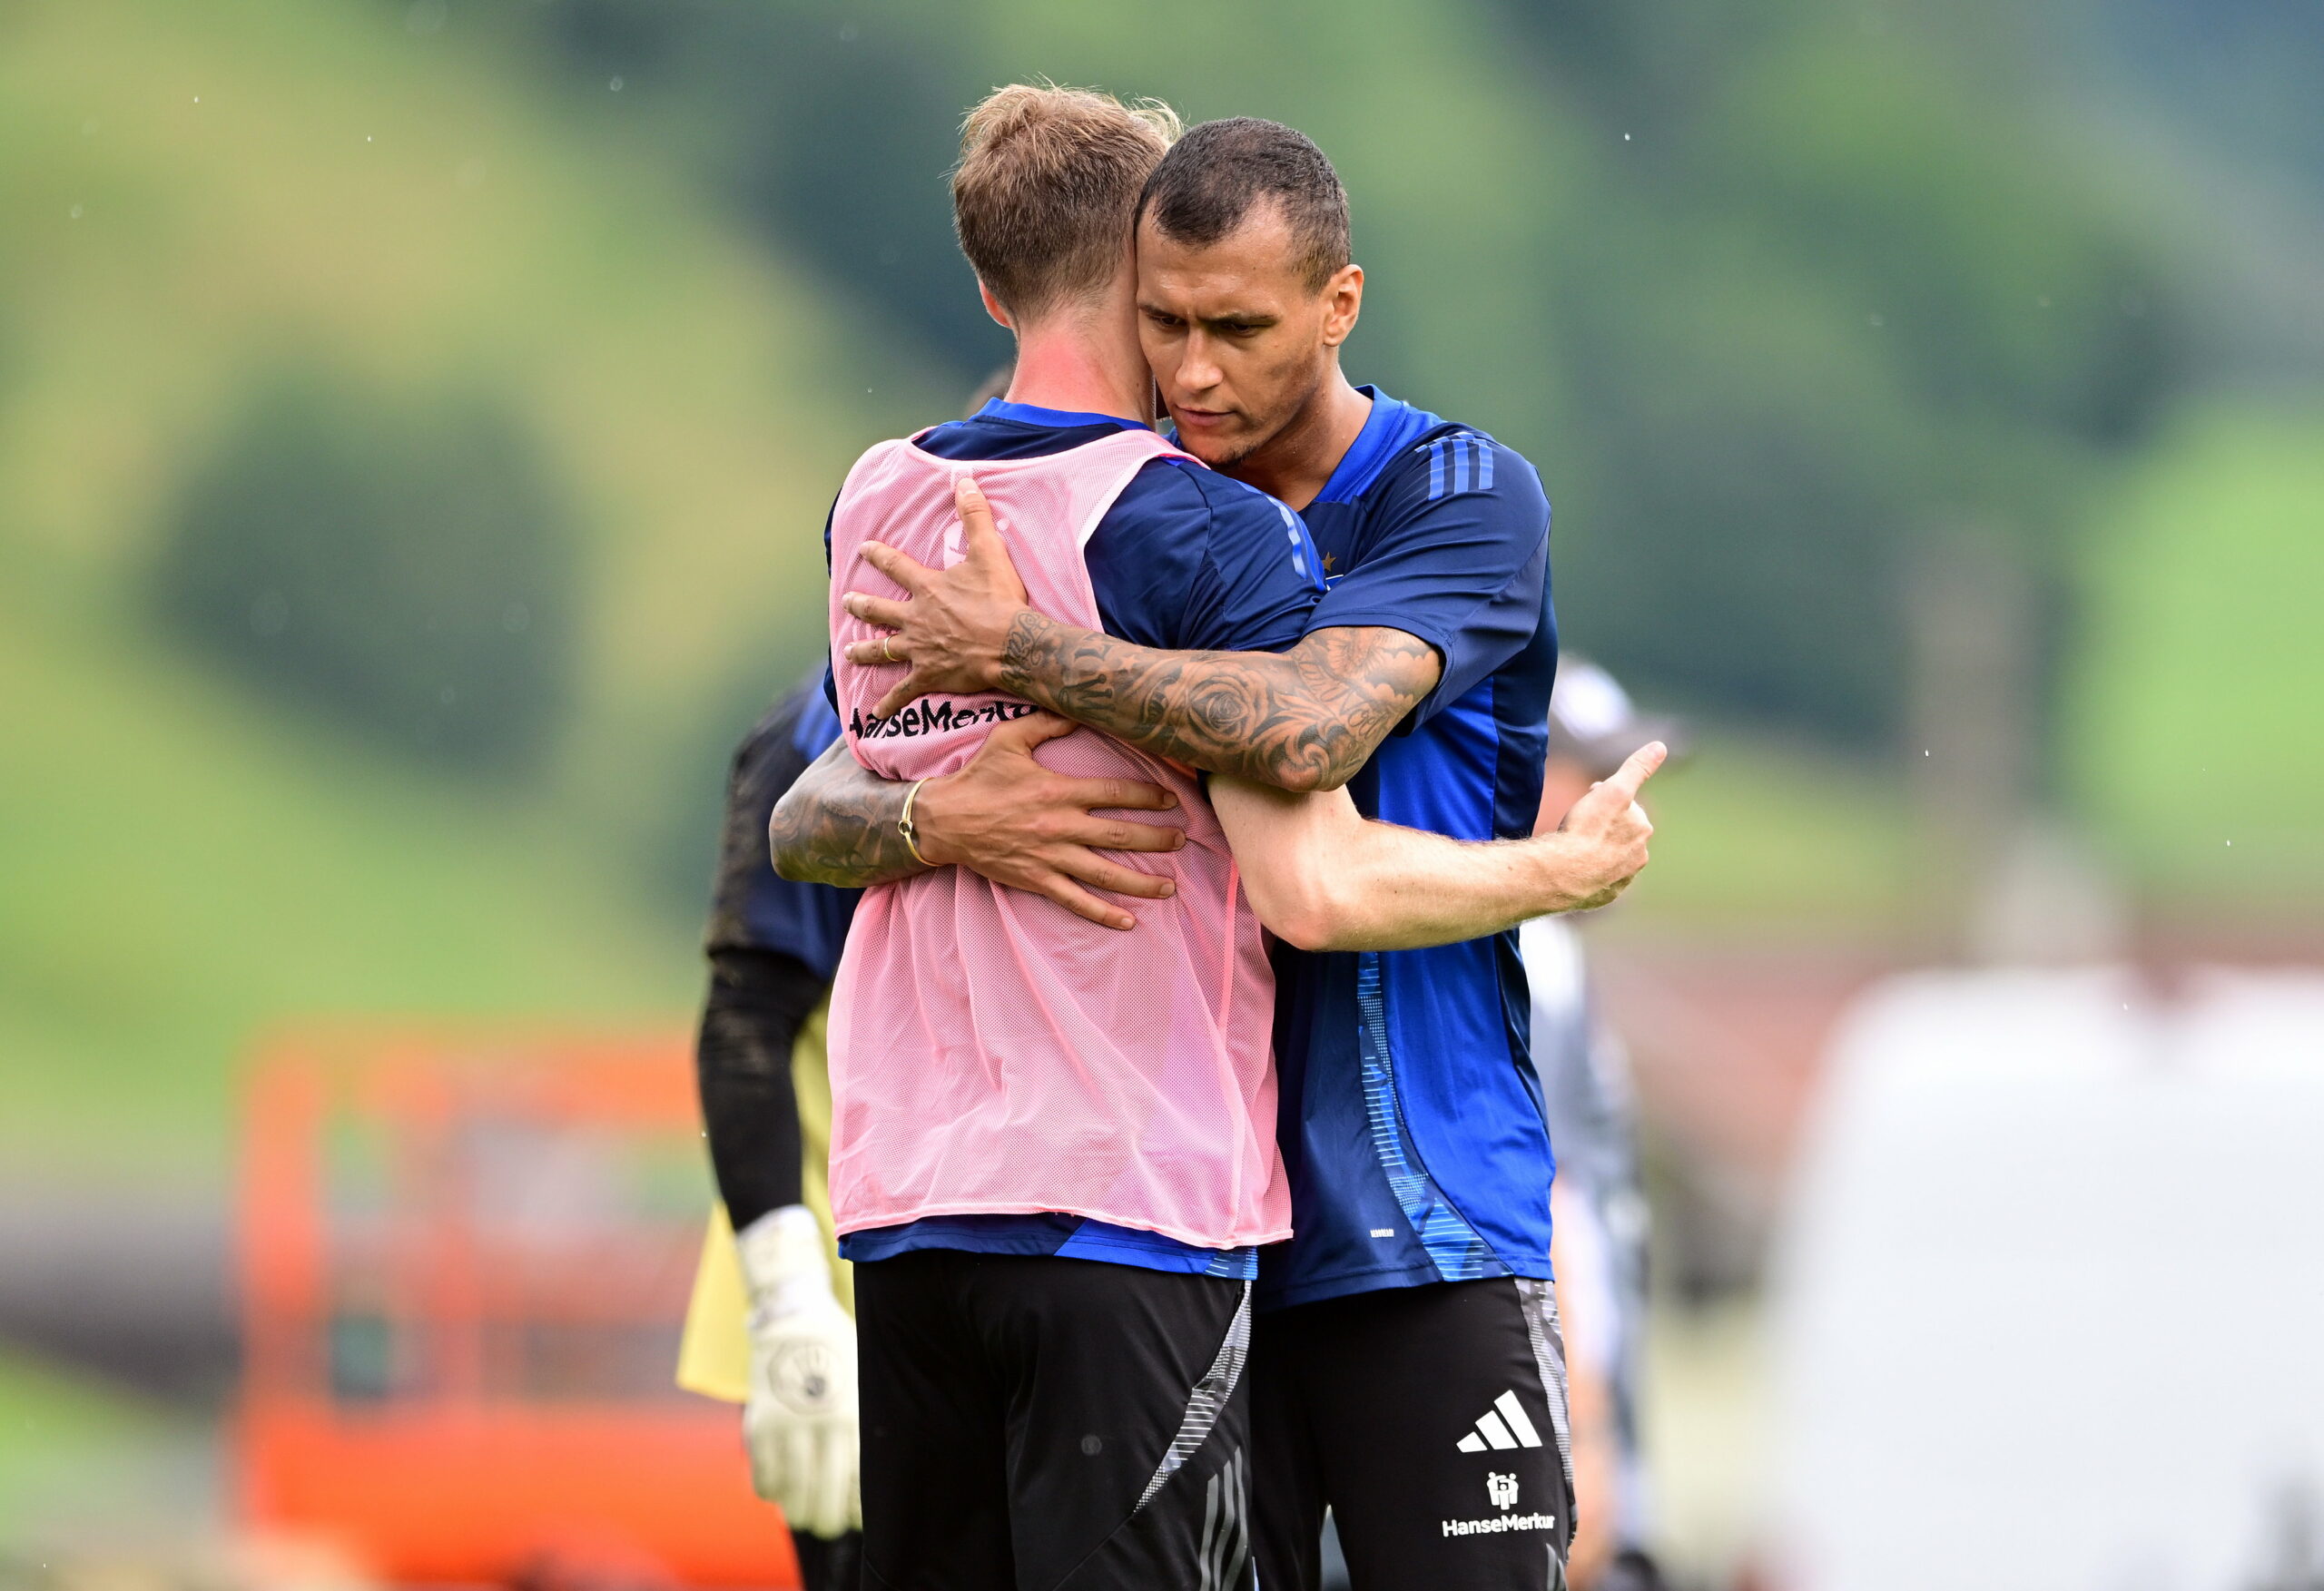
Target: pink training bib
991, 1052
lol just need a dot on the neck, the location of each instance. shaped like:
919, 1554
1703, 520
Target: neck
1296, 463
1087, 361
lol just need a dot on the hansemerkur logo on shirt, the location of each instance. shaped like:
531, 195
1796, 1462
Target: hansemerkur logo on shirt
930, 716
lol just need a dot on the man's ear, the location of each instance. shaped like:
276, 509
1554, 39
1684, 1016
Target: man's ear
993, 307
1343, 303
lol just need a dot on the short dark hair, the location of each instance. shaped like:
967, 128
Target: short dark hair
1212, 176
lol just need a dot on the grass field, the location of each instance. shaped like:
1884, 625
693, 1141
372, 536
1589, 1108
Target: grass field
1773, 837
187, 200
84, 1465
2197, 745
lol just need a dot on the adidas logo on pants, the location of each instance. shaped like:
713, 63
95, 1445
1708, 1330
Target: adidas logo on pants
1504, 1426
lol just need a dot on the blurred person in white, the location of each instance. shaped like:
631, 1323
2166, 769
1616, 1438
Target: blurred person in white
1597, 1204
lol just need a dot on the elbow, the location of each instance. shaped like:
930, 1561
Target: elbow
1301, 775
1306, 933
1306, 914
1298, 778
784, 849
1319, 768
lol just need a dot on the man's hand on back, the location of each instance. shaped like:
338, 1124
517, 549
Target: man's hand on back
1002, 815
955, 626
1018, 824
1301, 719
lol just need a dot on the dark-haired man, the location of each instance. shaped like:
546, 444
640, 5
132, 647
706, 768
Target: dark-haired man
1407, 1366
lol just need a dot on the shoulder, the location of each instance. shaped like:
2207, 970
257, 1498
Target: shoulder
880, 453
1458, 463
1238, 511
1203, 503
946, 440
1256, 536
776, 727
1160, 515
801, 724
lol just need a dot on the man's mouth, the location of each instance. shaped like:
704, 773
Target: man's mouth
1201, 419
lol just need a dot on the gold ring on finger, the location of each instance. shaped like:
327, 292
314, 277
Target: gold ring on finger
888, 647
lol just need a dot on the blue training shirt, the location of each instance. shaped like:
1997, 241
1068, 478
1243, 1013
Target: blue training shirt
1185, 560
1411, 1115
752, 906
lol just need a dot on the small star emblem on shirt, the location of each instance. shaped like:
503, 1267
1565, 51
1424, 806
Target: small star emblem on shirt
1330, 562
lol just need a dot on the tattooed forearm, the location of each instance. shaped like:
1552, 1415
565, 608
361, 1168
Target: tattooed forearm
837, 825
1303, 720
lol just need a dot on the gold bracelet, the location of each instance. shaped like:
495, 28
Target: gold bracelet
904, 825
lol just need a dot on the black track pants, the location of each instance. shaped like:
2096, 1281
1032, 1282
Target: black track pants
1432, 1421
1041, 1424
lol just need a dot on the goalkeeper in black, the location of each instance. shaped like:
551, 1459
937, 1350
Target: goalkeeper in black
773, 946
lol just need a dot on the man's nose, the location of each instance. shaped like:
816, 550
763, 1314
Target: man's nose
1198, 370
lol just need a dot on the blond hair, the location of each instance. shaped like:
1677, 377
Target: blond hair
1048, 182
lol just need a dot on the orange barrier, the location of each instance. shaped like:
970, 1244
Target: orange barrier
464, 1266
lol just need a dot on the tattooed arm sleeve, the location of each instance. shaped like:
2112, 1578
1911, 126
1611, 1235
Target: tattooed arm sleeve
837, 825
1301, 719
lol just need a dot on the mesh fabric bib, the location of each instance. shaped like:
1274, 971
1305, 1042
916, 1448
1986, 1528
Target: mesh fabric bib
991, 1052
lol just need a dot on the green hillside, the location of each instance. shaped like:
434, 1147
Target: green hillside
194, 197
189, 199
186, 873
1751, 348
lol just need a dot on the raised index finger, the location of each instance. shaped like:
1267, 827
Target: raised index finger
1638, 769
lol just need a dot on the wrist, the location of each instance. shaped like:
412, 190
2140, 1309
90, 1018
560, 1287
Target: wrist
1025, 638
932, 814
785, 1267
990, 670
1566, 876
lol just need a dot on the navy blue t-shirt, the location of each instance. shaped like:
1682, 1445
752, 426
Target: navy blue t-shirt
1185, 560
1411, 1115
753, 907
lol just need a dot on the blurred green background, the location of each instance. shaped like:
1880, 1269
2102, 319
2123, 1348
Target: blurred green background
417, 416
